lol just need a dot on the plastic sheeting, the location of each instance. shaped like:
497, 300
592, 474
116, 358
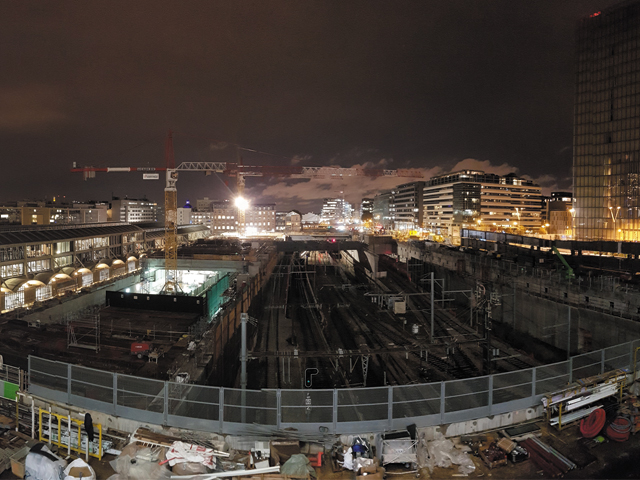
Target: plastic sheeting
443, 454
298, 466
141, 465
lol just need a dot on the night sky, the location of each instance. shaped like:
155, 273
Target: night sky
437, 85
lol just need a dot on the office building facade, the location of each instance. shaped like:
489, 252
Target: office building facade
382, 210
606, 141
471, 198
366, 207
133, 211
557, 214
406, 206
336, 210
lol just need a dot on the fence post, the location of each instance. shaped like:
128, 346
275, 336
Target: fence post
221, 410
632, 367
166, 403
442, 392
490, 393
602, 357
335, 410
115, 393
278, 407
570, 369
533, 381
390, 406
68, 384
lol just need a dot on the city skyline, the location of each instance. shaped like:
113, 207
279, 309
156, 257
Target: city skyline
408, 85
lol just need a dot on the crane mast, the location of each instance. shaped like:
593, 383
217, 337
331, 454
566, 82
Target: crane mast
172, 280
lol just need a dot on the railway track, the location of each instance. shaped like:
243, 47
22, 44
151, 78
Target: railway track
325, 312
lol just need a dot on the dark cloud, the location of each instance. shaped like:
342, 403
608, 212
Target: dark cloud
420, 84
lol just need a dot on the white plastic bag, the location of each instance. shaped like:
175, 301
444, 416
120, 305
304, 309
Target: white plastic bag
44, 467
348, 460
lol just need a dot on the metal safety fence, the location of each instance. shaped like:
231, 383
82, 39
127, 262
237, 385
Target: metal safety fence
353, 410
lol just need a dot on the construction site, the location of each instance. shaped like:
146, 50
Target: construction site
354, 343
312, 339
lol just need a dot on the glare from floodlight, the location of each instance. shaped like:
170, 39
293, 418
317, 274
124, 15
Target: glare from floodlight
242, 203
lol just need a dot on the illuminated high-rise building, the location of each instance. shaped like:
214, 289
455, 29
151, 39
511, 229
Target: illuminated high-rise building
606, 138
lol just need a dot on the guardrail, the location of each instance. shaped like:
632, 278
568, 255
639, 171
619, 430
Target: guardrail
354, 410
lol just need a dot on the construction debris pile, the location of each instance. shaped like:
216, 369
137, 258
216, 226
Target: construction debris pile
14, 447
155, 455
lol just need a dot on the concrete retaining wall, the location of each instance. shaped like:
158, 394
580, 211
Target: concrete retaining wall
599, 318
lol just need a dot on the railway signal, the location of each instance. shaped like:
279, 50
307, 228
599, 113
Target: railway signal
308, 376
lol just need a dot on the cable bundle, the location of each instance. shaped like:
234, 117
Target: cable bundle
592, 425
619, 430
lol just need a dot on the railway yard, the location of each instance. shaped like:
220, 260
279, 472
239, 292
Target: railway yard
322, 327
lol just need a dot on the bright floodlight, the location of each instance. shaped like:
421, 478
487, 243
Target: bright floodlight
242, 203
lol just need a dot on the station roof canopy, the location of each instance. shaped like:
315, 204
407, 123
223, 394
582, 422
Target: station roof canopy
40, 234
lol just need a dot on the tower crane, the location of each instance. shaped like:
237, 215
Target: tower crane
238, 170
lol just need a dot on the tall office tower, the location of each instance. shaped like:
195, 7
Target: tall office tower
606, 138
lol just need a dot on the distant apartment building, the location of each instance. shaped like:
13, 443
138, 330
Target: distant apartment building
558, 213
260, 217
474, 198
310, 221
204, 204
366, 207
406, 206
133, 211
185, 214
383, 214
224, 218
51, 213
201, 218
281, 221
293, 222
336, 210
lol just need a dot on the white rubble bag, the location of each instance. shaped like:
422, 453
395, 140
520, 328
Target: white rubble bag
42, 464
79, 469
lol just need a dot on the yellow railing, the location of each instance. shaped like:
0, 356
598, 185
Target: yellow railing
80, 423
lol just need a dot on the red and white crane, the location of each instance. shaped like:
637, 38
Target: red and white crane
238, 170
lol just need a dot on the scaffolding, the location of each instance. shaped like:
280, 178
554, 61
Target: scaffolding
83, 328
